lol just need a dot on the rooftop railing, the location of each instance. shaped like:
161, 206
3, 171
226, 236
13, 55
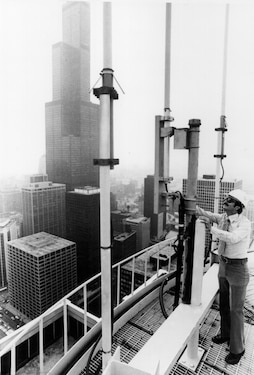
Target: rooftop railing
138, 263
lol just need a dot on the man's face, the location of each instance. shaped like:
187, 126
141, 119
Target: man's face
230, 205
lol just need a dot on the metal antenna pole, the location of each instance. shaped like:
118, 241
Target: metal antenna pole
220, 143
106, 94
167, 88
163, 131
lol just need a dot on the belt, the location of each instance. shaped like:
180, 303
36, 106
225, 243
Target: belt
233, 261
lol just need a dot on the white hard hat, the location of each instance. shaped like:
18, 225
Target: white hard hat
240, 195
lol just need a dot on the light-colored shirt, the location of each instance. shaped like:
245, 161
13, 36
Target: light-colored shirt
237, 237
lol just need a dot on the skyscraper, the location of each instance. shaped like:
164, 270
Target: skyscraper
72, 121
8, 231
141, 226
44, 208
10, 200
42, 268
206, 191
206, 195
83, 227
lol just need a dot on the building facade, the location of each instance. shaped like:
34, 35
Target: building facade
206, 196
10, 200
124, 245
141, 226
72, 121
42, 269
117, 221
8, 231
44, 208
83, 227
206, 191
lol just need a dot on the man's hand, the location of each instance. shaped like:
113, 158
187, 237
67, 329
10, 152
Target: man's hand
206, 221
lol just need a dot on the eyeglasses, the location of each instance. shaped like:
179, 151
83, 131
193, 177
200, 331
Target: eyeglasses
230, 200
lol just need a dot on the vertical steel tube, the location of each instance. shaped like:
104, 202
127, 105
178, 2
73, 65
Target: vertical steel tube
85, 308
105, 125
167, 87
220, 136
190, 204
105, 230
107, 35
41, 346
13, 359
198, 263
65, 321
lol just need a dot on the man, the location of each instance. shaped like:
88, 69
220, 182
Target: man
233, 232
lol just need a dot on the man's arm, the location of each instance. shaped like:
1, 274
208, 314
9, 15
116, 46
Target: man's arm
237, 235
214, 218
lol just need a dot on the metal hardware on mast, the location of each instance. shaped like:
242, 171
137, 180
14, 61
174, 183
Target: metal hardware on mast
163, 131
106, 94
167, 89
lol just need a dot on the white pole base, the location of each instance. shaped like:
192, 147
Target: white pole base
191, 363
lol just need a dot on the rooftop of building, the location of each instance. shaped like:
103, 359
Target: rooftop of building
41, 243
86, 190
211, 177
119, 212
42, 185
4, 222
137, 220
124, 235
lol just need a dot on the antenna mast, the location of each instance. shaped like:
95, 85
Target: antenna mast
222, 129
106, 95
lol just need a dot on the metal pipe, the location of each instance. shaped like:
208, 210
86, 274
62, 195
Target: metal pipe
167, 87
105, 230
198, 263
85, 308
180, 251
190, 203
107, 35
65, 321
196, 288
41, 355
104, 173
220, 136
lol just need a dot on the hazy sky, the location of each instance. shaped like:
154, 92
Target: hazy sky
29, 28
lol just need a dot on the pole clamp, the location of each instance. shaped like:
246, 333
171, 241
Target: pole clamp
105, 90
106, 247
105, 162
221, 129
220, 156
106, 351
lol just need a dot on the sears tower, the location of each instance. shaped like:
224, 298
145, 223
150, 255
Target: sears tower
72, 121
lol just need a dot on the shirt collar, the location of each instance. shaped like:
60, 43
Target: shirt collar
234, 217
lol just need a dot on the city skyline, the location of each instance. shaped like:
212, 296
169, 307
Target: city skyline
138, 62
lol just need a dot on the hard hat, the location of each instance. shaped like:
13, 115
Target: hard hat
240, 195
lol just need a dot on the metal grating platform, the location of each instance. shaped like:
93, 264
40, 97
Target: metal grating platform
132, 336
213, 361
135, 333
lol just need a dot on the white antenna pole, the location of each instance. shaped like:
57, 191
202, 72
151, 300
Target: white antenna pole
105, 120
221, 130
167, 87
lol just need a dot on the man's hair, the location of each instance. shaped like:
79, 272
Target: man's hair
240, 205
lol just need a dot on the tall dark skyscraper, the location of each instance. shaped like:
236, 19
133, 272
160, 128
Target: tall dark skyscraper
83, 227
72, 121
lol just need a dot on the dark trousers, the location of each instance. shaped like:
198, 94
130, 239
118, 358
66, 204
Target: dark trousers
233, 281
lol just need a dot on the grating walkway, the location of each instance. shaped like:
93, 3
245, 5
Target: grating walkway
135, 333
